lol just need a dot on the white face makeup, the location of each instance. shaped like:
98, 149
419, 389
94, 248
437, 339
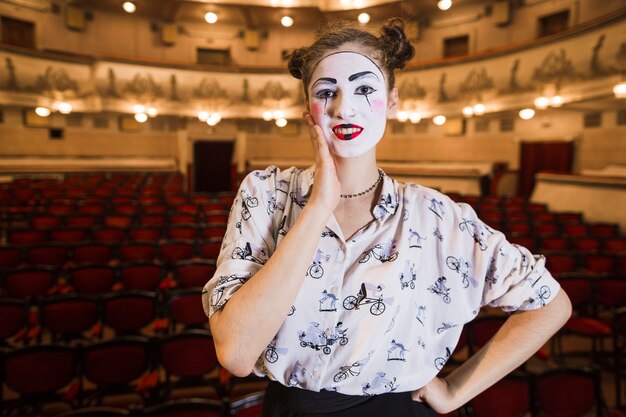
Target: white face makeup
348, 99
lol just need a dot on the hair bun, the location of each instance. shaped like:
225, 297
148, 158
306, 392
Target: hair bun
398, 49
296, 62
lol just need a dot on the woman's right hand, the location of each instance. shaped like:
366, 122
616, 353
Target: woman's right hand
326, 185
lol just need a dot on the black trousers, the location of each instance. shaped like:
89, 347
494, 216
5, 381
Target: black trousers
281, 401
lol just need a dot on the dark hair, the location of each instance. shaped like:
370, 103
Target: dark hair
391, 50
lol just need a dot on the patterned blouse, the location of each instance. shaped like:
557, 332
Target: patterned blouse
383, 310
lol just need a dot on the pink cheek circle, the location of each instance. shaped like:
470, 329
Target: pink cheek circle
317, 111
379, 106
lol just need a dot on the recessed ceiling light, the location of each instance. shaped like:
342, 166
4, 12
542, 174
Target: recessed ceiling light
526, 114
129, 7
444, 4
141, 117
364, 18
439, 120
210, 17
64, 108
42, 111
286, 21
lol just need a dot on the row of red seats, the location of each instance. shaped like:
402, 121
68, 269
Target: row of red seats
99, 278
590, 244
74, 318
85, 221
564, 262
86, 374
106, 202
63, 256
115, 234
30, 190
153, 369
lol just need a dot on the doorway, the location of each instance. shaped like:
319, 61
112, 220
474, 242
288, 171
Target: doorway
554, 156
212, 166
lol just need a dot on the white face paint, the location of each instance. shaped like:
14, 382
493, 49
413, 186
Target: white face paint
348, 99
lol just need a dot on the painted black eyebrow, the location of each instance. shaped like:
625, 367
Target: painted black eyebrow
327, 79
361, 74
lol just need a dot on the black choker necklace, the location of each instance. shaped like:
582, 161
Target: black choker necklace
381, 174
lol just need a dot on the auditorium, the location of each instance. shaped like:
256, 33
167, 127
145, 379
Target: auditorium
129, 135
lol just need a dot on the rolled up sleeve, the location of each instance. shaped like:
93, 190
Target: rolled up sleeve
508, 275
247, 243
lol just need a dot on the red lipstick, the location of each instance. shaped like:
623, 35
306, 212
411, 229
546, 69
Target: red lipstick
347, 131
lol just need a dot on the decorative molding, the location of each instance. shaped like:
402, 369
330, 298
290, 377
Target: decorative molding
143, 88
476, 83
555, 69
56, 80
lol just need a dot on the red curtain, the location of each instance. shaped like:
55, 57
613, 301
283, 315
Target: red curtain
537, 157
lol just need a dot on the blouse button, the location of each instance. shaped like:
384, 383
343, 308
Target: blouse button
316, 374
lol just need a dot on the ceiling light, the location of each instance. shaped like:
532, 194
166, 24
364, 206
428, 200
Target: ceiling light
415, 117
281, 122
363, 18
64, 108
42, 111
620, 90
267, 115
402, 116
439, 120
468, 111
210, 17
152, 112
141, 117
203, 116
138, 108
286, 21
526, 114
444, 4
479, 109
556, 101
542, 102
214, 118
129, 7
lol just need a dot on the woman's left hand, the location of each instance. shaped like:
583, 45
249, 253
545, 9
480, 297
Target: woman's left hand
437, 394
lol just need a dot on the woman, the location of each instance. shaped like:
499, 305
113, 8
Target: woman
348, 289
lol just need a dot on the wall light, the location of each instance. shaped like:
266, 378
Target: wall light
203, 116
286, 21
526, 114
363, 18
556, 101
439, 120
214, 118
444, 4
281, 122
152, 112
415, 117
210, 17
42, 111
63, 107
620, 90
141, 117
468, 111
542, 102
479, 109
402, 116
129, 7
